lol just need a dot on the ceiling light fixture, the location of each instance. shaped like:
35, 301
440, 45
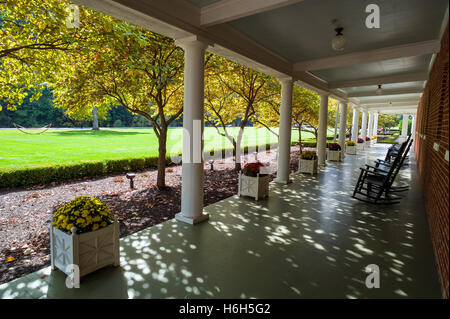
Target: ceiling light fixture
339, 41
379, 91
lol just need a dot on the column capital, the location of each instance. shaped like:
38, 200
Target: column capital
286, 80
193, 41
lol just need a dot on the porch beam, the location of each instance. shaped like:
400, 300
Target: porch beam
410, 77
390, 100
389, 53
386, 92
229, 10
284, 143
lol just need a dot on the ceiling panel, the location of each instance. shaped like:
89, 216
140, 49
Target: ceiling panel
414, 64
303, 31
391, 86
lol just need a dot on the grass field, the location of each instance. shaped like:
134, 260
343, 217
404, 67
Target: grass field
68, 145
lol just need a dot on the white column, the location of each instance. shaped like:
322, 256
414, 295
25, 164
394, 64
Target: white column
336, 122
413, 127
364, 125
322, 134
192, 166
343, 125
375, 124
370, 129
405, 125
284, 142
355, 123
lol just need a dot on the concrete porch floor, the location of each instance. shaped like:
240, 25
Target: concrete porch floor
310, 239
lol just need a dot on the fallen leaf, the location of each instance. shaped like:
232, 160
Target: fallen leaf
10, 259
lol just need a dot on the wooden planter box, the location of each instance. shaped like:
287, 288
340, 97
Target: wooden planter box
360, 146
351, 150
257, 187
334, 156
89, 251
307, 166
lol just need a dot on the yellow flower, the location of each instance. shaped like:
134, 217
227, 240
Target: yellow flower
95, 227
103, 224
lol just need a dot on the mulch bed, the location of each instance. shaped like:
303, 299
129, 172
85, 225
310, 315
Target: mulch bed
26, 213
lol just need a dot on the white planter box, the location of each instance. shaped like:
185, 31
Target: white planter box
360, 146
351, 150
257, 187
369, 143
334, 156
89, 251
307, 166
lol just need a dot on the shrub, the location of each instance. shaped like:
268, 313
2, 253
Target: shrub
308, 155
360, 140
136, 164
334, 147
151, 162
84, 213
252, 169
350, 143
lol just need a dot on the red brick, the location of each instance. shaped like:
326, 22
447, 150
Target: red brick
432, 121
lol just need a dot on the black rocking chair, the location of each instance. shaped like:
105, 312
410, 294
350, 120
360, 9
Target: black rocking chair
393, 151
375, 184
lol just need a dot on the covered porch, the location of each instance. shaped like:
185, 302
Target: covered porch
310, 239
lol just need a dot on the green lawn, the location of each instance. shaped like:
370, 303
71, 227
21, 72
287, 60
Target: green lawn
62, 146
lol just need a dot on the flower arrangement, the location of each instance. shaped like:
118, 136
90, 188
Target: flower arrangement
360, 140
308, 155
334, 147
367, 138
252, 169
350, 143
85, 213
374, 137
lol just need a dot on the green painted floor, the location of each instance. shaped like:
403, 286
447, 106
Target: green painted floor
310, 239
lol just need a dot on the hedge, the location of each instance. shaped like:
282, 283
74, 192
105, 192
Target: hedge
46, 174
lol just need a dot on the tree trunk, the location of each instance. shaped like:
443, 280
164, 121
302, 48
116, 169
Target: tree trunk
161, 179
94, 119
237, 147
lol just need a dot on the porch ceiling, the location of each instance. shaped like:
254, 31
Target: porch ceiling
293, 38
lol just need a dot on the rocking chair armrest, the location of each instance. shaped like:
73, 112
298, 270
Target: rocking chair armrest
383, 162
376, 168
370, 172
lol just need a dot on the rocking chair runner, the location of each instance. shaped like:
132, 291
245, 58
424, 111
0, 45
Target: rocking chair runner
375, 184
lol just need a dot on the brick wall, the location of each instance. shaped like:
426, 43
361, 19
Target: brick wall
431, 127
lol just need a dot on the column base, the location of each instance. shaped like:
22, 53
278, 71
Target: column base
203, 217
279, 181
